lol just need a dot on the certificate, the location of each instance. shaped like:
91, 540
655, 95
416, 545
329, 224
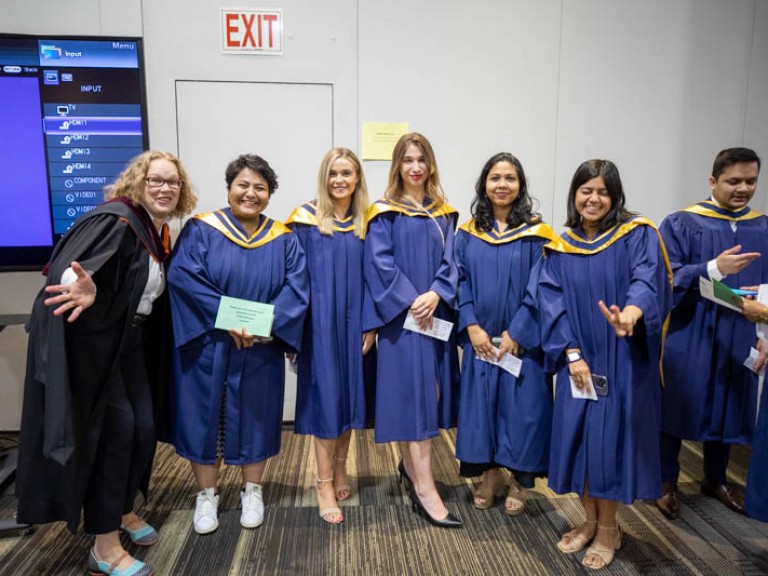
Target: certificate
441, 329
508, 362
236, 314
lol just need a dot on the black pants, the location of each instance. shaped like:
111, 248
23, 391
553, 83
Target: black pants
126, 441
472, 469
716, 455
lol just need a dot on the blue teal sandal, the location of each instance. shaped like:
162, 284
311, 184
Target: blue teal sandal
143, 536
98, 568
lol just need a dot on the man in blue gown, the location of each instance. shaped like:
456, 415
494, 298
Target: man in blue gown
709, 395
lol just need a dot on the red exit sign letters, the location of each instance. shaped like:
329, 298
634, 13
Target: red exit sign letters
252, 31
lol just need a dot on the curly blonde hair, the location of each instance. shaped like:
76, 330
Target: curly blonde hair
130, 182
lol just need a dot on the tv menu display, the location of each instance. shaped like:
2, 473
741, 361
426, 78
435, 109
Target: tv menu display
73, 114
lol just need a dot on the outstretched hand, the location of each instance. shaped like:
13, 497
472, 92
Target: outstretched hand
731, 261
76, 296
623, 321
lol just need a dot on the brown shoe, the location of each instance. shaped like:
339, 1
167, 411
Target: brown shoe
732, 499
669, 503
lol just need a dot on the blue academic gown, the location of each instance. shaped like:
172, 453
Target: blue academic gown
409, 251
611, 443
502, 418
331, 393
756, 493
215, 257
709, 393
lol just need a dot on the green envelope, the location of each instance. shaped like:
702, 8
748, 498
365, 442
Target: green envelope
236, 314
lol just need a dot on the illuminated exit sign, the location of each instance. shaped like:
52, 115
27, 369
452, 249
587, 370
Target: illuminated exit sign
249, 31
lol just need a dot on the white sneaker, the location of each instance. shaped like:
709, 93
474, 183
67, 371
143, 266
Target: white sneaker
253, 506
206, 512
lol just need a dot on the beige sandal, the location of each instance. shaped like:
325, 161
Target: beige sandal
605, 555
331, 515
485, 494
344, 491
576, 540
516, 498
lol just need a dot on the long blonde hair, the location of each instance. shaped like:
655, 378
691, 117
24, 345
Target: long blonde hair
359, 196
130, 182
432, 187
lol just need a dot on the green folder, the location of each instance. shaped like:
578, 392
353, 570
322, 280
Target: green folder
236, 314
724, 293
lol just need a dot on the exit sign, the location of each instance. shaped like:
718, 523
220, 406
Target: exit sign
252, 31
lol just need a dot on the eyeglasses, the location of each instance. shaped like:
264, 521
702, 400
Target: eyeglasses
157, 183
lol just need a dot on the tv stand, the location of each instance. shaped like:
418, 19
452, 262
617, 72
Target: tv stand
9, 456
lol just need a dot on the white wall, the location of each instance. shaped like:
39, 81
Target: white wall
657, 86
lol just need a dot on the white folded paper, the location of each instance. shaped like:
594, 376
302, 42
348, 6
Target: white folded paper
582, 394
508, 362
441, 329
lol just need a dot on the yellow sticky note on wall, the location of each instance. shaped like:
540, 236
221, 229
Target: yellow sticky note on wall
379, 139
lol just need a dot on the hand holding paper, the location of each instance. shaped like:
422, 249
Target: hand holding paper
441, 329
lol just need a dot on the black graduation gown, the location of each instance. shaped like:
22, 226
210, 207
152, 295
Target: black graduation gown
63, 411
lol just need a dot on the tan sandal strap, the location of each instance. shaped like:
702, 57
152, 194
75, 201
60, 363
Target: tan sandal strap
324, 480
116, 563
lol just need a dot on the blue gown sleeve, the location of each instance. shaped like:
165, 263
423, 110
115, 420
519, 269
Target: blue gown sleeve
467, 314
446, 279
292, 301
557, 335
194, 295
649, 287
524, 326
388, 290
677, 239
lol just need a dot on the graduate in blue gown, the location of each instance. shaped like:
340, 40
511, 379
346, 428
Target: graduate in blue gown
409, 269
337, 358
756, 493
606, 449
504, 420
229, 385
710, 396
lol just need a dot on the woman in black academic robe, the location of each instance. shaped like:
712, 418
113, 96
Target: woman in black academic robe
95, 364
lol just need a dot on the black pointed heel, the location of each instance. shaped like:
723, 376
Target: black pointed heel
450, 521
404, 474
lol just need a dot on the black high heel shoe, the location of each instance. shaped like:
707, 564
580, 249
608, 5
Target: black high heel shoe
450, 521
404, 475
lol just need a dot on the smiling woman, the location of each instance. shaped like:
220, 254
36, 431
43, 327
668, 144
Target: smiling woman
97, 366
337, 363
609, 255
229, 385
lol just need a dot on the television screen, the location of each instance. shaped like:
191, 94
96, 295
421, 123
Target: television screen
73, 113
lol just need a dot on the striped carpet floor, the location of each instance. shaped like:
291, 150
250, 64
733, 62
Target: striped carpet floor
382, 535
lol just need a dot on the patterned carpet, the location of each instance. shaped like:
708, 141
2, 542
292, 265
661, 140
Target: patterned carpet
382, 535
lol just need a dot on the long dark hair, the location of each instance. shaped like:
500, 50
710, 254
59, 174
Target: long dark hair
610, 173
522, 207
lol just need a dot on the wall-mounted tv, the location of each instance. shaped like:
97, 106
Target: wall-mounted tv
72, 114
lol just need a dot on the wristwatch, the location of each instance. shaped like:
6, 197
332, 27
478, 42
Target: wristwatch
573, 356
